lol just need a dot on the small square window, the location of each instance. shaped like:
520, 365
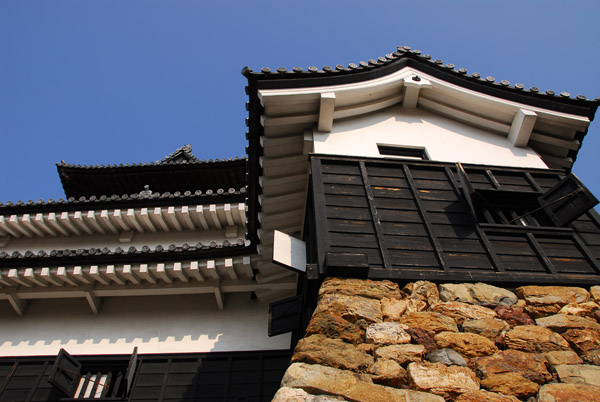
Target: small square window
418, 153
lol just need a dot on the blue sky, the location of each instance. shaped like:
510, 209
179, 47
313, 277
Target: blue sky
103, 82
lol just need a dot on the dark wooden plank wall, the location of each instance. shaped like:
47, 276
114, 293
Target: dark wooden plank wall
213, 377
412, 221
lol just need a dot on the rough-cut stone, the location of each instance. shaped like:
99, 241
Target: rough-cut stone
425, 291
485, 396
401, 354
286, 394
335, 327
529, 365
467, 344
359, 287
583, 340
556, 357
318, 349
350, 308
595, 292
422, 337
563, 322
429, 321
552, 295
447, 357
592, 357
578, 374
327, 380
392, 309
568, 393
542, 311
514, 316
477, 293
387, 333
388, 372
447, 381
510, 384
581, 309
487, 327
534, 339
461, 312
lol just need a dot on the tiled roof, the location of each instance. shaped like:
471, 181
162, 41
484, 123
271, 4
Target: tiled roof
406, 53
30, 256
145, 196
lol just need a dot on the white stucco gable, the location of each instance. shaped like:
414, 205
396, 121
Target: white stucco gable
443, 138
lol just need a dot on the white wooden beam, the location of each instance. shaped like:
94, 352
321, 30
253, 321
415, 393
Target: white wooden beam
80, 275
132, 219
94, 301
6, 228
179, 273
199, 214
194, 271
412, 88
97, 276
145, 273
162, 273
17, 304
53, 222
211, 268
145, 219
119, 221
41, 223
247, 267
28, 223
159, 221
128, 274
172, 218
308, 142
228, 214
522, 127
13, 275
78, 219
112, 274
126, 237
91, 218
65, 220
31, 276
105, 220
326, 111
14, 223
47, 275
185, 217
220, 298
63, 275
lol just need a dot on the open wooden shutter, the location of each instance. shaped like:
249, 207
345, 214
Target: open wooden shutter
65, 373
130, 373
284, 315
567, 201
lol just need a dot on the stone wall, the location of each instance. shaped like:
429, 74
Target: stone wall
374, 342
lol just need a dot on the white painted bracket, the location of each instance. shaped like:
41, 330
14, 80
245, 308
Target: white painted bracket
18, 304
220, 298
126, 237
413, 86
307, 145
93, 301
289, 252
326, 112
522, 127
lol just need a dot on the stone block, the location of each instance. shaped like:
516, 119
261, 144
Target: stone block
286, 394
477, 293
388, 372
568, 393
446, 381
510, 384
460, 312
401, 354
318, 349
350, 308
487, 327
583, 340
514, 316
447, 357
360, 287
429, 321
465, 343
327, 380
552, 295
392, 309
562, 322
387, 333
485, 396
587, 374
529, 365
335, 327
421, 337
556, 357
534, 339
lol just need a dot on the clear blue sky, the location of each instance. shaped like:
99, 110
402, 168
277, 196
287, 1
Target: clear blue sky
122, 81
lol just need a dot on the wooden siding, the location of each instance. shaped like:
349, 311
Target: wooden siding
411, 220
212, 377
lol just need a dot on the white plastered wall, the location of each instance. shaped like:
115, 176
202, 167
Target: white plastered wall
166, 324
444, 139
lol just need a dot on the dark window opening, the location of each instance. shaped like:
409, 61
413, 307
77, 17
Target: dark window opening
403, 152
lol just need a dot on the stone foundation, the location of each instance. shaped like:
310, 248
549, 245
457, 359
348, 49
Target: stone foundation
372, 341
